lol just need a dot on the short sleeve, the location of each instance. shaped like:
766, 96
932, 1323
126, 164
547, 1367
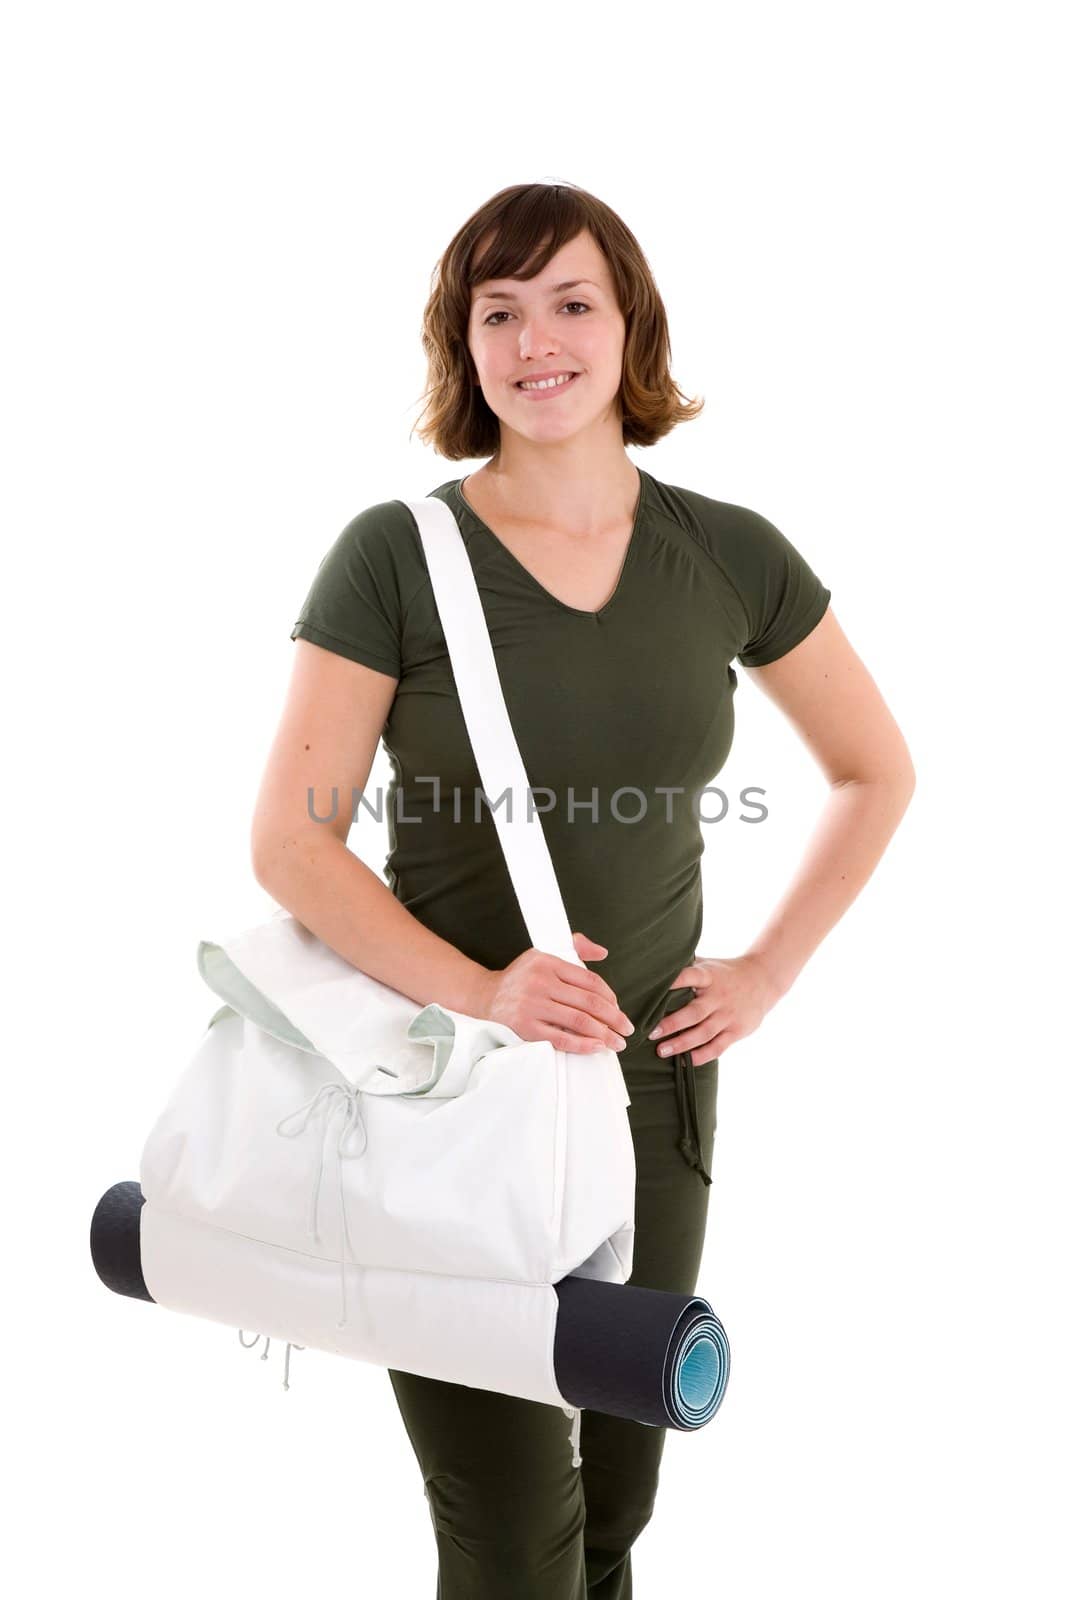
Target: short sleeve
783, 598
354, 605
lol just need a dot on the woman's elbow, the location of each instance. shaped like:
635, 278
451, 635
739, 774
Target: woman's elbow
269, 848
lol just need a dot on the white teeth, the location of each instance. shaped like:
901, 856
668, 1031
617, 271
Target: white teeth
547, 383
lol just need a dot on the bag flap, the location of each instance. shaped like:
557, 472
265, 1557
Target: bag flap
288, 982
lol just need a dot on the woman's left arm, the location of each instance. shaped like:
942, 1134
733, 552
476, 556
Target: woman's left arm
827, 694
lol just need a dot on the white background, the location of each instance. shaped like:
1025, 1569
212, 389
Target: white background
222, 222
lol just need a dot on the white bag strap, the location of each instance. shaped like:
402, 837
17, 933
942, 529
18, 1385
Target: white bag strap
481, 698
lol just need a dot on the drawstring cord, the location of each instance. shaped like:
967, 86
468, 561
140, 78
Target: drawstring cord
266, 1348
688, 1120
347, 1095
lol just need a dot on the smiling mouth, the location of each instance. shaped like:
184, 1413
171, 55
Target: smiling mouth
552, 388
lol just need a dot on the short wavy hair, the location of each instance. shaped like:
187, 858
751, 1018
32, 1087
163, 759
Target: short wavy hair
526, 224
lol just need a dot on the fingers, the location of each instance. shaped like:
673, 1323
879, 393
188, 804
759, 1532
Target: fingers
585, 1032
705, 1035
581, 977
577, 1007
596, 997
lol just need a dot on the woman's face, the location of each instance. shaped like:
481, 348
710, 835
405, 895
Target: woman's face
518, 330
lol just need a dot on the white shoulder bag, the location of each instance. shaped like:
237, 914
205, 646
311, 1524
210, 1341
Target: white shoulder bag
347, 1170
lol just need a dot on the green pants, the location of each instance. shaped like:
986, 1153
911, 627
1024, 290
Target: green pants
513, 1519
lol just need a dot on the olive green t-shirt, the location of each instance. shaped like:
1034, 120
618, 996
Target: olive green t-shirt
622, 716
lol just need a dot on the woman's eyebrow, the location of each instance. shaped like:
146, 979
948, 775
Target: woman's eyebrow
503, 294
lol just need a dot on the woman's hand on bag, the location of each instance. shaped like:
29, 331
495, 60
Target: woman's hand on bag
733, 995
541, 997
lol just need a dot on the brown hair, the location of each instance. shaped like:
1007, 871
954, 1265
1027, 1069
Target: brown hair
459, 423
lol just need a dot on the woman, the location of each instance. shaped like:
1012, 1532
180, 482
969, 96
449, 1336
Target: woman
615, 604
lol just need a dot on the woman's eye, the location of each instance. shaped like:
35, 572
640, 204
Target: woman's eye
489, 323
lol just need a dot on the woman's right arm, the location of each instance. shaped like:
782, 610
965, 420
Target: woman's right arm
332, 720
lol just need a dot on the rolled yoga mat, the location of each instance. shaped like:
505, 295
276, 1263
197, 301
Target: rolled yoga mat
641, 1354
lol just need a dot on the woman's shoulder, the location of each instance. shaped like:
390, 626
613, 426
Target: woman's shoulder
781, 593
383, 536
386, 535
727, 530
363, 597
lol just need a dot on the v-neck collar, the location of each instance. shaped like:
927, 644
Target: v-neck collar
465, 506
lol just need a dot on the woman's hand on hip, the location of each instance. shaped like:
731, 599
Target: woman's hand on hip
733, 995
